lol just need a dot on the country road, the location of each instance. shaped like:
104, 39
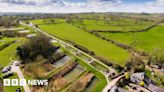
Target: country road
112, 83
20, 75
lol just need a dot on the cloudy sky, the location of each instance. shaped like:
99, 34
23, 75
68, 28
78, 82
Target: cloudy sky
67, 6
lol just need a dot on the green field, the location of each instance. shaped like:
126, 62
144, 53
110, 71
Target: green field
93, 43
146, 41
9, 52
41, 22
6, 40
121, 25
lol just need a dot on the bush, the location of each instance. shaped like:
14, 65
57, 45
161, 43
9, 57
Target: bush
135, 65
107, 62
127, 76
118, 67
142, 83
157, 57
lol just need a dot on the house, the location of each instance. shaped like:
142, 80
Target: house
138, 77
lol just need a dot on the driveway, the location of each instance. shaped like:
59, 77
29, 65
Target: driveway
112, 83
20, 75
138, 88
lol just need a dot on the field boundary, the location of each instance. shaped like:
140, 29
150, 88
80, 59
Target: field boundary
133, 31
6, 45
121, 45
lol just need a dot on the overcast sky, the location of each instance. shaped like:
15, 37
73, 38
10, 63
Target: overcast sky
67, 6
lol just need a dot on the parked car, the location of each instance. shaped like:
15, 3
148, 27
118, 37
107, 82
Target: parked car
6, 69
16, 63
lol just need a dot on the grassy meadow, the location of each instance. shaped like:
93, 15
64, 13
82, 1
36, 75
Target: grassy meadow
120, 25
6, 40
146, 41
93, 43
9, 52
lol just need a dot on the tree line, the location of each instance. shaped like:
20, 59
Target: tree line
8, 21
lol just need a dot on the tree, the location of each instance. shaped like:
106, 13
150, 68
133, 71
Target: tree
8, 22
118, 67
157, 57
39, 45
135, 64
127, 75
106, 20
81, 21
68, 20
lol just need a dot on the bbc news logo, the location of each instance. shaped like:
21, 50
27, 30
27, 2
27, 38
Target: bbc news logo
24, 82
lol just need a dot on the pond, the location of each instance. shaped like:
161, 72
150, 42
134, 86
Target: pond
62, 61
31, 35
24, 31
74, 73
92, 85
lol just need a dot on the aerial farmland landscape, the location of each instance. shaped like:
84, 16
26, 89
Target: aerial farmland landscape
81, 46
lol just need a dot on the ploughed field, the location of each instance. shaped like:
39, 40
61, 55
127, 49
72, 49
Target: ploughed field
100, 47
145, 41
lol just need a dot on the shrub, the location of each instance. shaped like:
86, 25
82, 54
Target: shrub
135, 65
142, 83
118, 67
157, 57
127, 76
